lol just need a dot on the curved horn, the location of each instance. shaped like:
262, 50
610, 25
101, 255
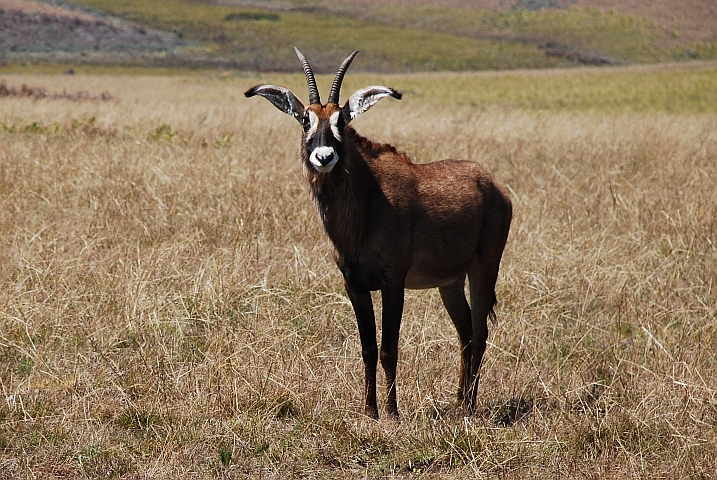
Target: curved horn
310, 80
339, 78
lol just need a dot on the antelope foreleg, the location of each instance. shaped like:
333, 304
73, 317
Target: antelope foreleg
363, 308
390, 326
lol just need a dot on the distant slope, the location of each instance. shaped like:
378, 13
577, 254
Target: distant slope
32, 30
594, 32
394, 35
689, 20
262, 39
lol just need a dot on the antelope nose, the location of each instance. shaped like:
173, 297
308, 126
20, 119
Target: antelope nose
324, 157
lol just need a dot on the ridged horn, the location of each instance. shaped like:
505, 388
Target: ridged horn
339, 78
310, 80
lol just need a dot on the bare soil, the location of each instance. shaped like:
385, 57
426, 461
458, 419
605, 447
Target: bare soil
30, 27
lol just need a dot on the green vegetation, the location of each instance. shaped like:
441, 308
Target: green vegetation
677, 89
274, 17
680, 88
265, 42
406, 39
623, 38
597, 90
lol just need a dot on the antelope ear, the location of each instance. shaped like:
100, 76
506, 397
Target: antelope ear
282, 98
365, 98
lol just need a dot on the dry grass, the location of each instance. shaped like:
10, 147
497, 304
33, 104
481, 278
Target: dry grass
169, 308
43, 8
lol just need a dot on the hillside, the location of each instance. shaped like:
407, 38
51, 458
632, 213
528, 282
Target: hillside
394, 36
691, 20
38, 31
686, 20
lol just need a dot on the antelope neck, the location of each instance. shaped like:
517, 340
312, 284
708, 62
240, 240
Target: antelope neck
341, 196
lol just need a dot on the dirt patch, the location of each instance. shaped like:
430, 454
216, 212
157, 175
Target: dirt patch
28, 27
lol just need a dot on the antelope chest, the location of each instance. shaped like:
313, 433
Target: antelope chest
369, 274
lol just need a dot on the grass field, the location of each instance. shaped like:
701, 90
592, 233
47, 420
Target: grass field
169, 307
259, 36
259, 39
246, 35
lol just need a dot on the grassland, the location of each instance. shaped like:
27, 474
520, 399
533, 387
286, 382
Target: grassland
621, 38
169, 307
405, 39
261, 40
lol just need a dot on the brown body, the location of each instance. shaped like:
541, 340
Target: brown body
396, 225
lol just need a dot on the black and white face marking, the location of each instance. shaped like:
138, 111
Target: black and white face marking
323, 138
323, 125
334, 122
313, 124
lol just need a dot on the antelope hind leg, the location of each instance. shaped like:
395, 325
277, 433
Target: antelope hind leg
454, 299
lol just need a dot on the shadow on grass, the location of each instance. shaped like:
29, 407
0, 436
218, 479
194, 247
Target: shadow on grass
506, 413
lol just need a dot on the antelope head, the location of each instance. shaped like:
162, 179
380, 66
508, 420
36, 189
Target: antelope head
324, 124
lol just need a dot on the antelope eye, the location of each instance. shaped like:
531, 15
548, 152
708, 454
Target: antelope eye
304, 120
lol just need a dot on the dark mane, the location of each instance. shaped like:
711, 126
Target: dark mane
373, 149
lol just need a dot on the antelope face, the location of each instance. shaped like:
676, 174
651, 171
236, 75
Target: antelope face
323, 135
323, 125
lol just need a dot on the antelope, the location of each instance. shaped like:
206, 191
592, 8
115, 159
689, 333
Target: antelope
395, 225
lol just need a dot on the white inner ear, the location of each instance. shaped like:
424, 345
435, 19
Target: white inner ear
366, 98
313, 125
334, 119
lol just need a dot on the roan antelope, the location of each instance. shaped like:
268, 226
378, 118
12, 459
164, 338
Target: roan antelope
396, 225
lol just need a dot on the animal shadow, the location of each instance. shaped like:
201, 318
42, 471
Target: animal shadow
506, 413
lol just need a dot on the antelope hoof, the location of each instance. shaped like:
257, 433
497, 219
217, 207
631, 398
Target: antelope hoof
393, 413
466, 404
371, 412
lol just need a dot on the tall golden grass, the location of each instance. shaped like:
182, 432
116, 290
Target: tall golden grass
169, 307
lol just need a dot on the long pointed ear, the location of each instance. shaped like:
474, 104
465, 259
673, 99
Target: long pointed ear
282, 98
365, 98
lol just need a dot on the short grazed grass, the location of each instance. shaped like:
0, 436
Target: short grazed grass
669, 88
676, 88
169, 307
